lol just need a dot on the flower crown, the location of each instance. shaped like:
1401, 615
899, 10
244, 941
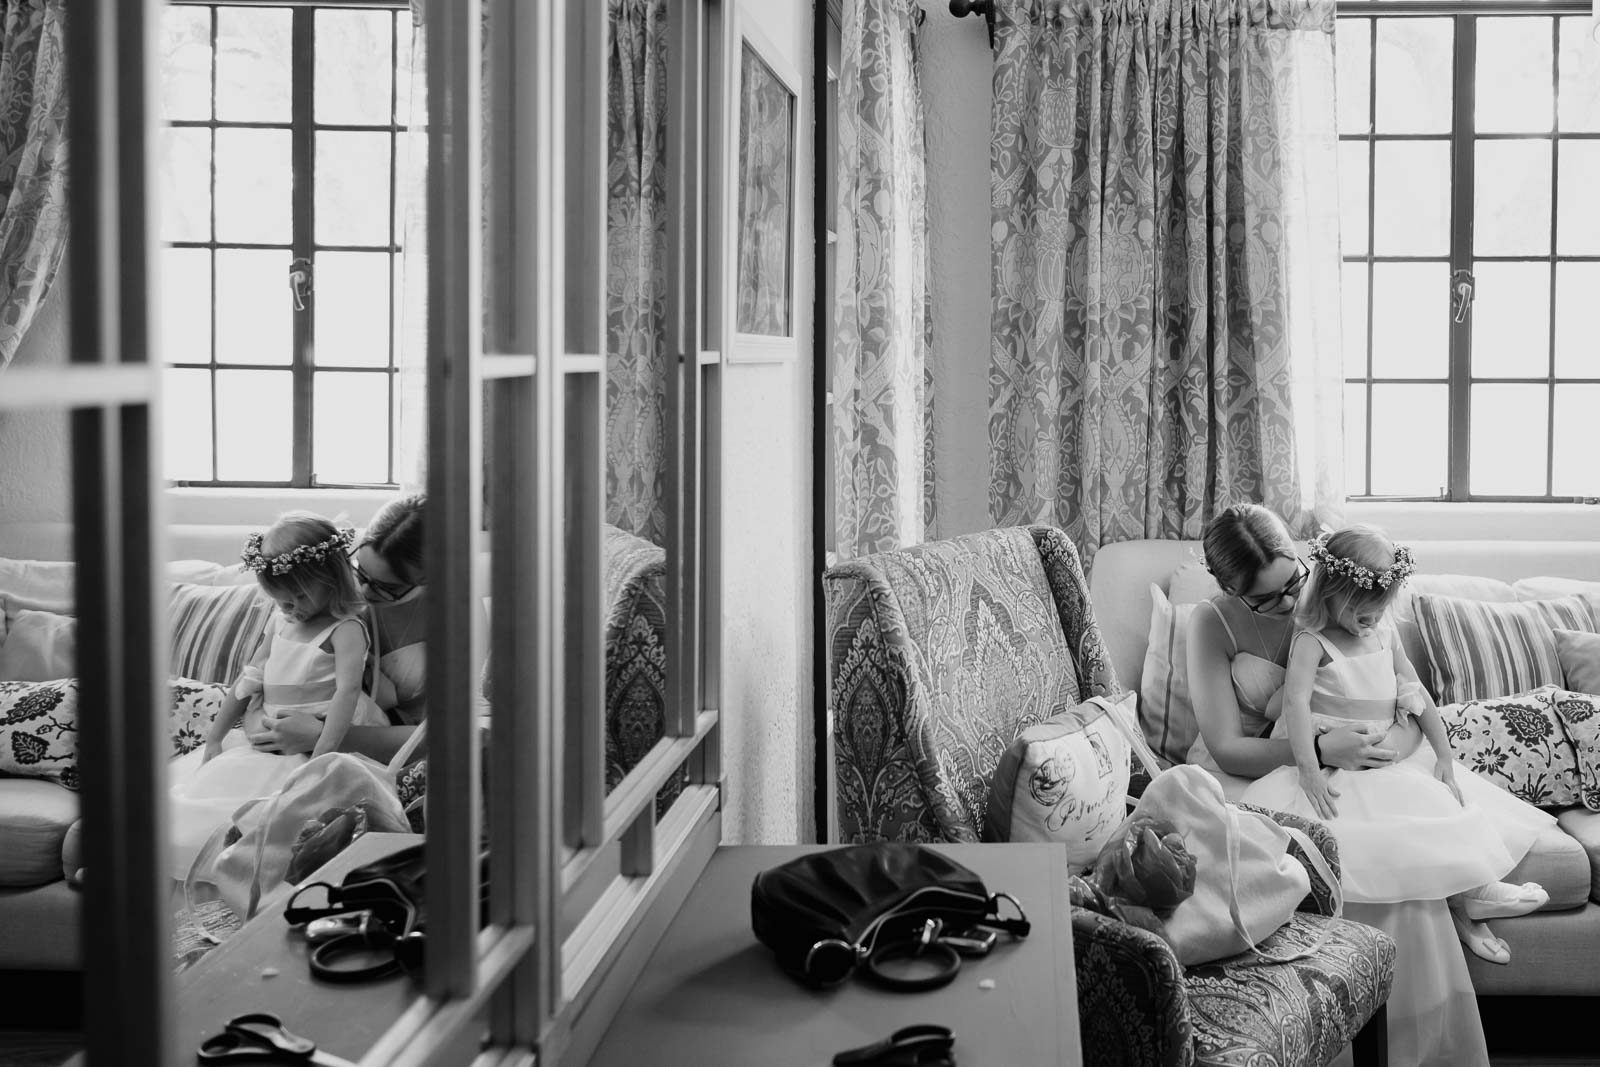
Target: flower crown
284, 562
1365, 577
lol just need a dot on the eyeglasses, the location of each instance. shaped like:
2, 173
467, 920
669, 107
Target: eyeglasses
385, 591
1260, 602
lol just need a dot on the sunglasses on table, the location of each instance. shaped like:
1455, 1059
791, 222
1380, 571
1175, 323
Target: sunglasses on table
1260, 602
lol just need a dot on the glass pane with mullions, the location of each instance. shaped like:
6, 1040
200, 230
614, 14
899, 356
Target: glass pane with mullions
1410, 433
1514, 80
406, 89
1355, 440
1354, 49
185, 63
186, 306
254, 179
255, 310
1353, 297
1510, 439
1411, 198
1410, 320
1511, 320
1511, 201
1578, 91
352, 305
354, 67
186, 425
255, 425
1576, 442
185, 166
350, 413
1577, 341
253, 64
352, 188
1353, 184
1578, 198
1414, 75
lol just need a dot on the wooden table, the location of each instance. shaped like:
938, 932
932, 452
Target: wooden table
713, 994
231, 979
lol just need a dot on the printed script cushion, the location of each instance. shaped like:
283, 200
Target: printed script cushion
215, 629
194, 706
1165, 712
1519, 744
1580, 714
1479, 650
1063, 780
40, 647
39, 730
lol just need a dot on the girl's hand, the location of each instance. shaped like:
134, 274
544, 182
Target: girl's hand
1316, 788
1444, 769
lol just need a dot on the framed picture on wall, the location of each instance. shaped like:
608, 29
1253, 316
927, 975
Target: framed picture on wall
765, 230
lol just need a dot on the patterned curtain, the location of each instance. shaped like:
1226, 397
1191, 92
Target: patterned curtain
33, 161
883, 376
636, 277
1165, 307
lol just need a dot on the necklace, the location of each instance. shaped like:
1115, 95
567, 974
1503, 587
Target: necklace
1282, 639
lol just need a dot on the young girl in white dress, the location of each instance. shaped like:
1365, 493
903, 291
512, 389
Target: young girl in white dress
1423, 827
311, 662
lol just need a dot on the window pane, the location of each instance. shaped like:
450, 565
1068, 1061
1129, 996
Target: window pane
254, 178
352, 305
1579, 93
253, 50
1354, 45
1511, 204
1410, 434
1514, 82
1510, 436
1414, 75
186, 425
1577, 441
1411, 190
1511, 320
186, 307
255, 434
353, 188
354, 66
185, 184
1410, 320
411, 93
1353, 181
351, 412
1578, 214
1355, 440
1577, 341
255, 317
1353, 295
186, 63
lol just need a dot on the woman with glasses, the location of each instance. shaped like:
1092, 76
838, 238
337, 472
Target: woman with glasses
388, 564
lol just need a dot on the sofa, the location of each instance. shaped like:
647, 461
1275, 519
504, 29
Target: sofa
1556, 951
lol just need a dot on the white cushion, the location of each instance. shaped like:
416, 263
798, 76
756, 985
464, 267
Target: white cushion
1166, 713
40, 647
34, 818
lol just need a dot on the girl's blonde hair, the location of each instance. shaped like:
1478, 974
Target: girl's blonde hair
324, 565
1335, 584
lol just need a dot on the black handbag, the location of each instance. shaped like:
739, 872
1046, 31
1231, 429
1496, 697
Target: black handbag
827, 913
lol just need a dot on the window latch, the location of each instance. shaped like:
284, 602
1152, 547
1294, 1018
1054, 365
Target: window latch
300, 282
1461, 289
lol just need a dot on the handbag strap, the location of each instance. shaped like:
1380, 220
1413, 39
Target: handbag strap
1141, 747
1313, 855
403, 755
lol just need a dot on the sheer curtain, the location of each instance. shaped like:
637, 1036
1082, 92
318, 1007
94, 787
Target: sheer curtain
1165, 265
33, 161
882, 384
411, 351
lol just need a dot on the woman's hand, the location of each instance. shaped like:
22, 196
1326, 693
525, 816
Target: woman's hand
1316, 788
1444, 769
290, 735
1349, 748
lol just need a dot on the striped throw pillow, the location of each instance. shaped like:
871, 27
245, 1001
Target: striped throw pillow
1480, 650
215, 629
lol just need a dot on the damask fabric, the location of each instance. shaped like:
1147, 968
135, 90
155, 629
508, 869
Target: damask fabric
883, 374
1164, 233
33, 161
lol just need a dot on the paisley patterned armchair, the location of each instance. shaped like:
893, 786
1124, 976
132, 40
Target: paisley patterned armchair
938, 656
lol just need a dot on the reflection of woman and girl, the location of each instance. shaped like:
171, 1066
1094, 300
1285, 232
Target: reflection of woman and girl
1307, 703
339, 669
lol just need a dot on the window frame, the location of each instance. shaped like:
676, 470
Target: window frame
1462, 138
303, 129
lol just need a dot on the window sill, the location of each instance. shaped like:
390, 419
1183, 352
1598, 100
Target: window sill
1441, 520
220, 506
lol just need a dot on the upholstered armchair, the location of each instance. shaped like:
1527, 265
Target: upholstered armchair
938, 656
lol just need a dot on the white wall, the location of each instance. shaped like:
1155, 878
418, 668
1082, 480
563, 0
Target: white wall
34, 450
767, 704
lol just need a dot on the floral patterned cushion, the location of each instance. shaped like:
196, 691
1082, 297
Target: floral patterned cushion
39, 730
194, 705
1517, 743
1580, 715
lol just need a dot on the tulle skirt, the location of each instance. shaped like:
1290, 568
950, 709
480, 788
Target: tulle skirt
204, 797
